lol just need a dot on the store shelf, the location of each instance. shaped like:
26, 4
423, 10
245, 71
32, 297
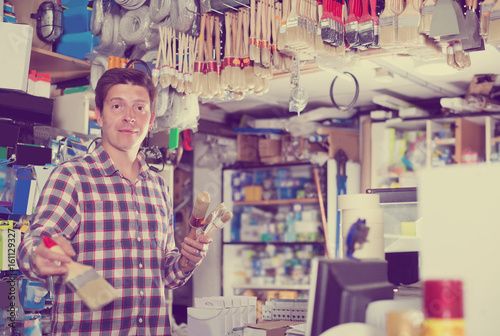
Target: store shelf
60, 67
274, 243
279, 202
272, 287
448, 141
495, 140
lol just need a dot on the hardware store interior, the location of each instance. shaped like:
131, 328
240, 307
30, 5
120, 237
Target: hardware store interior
349, 150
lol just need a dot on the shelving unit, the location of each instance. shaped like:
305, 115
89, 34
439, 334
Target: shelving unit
472, 133
239, 270
60, 67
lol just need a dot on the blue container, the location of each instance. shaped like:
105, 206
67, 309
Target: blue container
77, 45
76, 20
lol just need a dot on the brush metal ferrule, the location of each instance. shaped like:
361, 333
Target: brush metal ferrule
195, 222
83, 279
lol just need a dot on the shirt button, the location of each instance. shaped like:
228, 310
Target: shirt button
138, 238
140, 319
140, 265
141, 292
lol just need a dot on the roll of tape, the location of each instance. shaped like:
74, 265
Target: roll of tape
358, 201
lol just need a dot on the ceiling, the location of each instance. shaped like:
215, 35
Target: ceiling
409, 83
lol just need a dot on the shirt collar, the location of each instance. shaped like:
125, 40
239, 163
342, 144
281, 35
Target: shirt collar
109, 168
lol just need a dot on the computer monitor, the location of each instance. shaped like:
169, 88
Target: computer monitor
341, 289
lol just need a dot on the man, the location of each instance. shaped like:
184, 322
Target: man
108, 210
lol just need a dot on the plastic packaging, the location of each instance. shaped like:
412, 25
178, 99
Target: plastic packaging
130, 4
159, 9
97, 18
135, 25
182, 15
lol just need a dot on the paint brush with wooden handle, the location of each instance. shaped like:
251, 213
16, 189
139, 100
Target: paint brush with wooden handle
217, 224
91, 287
198, 214
197, 218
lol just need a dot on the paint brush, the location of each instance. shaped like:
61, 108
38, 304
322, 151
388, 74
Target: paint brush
427, 12
376, 22
197, 218
352, 25
199, 65
408, 24
366, 32
91, 287
387, 36
217, 224
214, 215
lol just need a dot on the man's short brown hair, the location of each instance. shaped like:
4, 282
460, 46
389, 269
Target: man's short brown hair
123, 76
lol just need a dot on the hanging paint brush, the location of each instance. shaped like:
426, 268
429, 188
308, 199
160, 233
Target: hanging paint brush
292, 24
409, 23
193, 46
484, 13
90, 286
210, 64
352, 25
155, 73
217, 49
258, 34
376, 22
387, 36
226, 63
325, 22
275, 29
265, 50
199, 65
427, 12
338, 29
252, 40
494, 24
247, 63
366, 32
173, 64
180, 76
165, 69
236, 72
285, 10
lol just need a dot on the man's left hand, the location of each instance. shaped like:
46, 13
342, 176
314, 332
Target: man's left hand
194, 251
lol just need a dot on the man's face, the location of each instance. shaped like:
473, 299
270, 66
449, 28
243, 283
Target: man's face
126, 117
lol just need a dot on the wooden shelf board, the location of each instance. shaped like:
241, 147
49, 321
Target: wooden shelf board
272, 287
495, 140
60, 67
279, 202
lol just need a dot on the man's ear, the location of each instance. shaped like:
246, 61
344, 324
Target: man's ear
153, 115
98, 116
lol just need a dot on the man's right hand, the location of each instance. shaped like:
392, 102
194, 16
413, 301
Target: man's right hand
48, 262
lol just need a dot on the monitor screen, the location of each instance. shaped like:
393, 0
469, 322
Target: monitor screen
341, 290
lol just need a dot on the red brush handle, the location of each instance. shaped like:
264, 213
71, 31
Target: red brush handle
49, 242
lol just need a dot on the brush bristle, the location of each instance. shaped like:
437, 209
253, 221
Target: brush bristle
249, 77
265, 57
96, 293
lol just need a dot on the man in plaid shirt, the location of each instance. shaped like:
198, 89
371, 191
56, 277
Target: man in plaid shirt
108, 210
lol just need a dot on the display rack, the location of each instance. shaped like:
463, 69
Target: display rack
60, 67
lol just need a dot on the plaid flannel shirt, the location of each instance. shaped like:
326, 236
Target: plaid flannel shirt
123, 230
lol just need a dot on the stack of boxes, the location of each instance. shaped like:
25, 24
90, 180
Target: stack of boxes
221, 315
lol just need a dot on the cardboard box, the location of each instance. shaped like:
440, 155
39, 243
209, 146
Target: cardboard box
248, 147
274, 328
23, 10
15, 40
269, 148
347, 140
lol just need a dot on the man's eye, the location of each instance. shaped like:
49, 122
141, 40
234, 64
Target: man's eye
116, 106
140, 108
